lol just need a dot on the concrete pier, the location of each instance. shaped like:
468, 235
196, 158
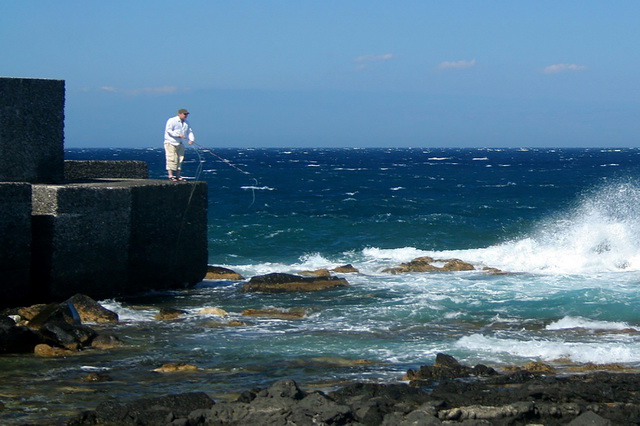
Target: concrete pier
102, 229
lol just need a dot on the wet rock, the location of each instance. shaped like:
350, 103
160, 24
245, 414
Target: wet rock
346, 269
222, 274
54, 312
28, 312
425, 264
292, 314
213, 311
6, 321
69, 336
106, 340
280, 283
446, 367
18, 339
45, 350
174, 367
95, 377
169, 314
91, 311
316, 273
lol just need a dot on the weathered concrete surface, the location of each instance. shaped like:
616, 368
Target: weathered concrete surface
32, 130
113, 237
15, 241
81, 239
169, 234
101, 169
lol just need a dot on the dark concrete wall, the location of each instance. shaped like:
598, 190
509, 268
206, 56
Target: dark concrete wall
15, 242
81, 240
94, 169
115, 237
31, 130
169, 234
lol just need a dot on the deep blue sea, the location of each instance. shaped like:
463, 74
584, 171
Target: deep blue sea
564, 224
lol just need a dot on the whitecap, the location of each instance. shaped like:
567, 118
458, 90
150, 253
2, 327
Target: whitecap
570, 322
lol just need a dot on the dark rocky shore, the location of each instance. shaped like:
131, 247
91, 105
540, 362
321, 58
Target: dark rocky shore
445, 393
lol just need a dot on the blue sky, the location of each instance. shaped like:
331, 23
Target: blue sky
302, 73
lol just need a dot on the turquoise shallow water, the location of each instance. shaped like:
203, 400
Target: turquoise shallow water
564, 224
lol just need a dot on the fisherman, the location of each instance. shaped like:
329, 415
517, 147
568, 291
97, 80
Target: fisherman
176, 132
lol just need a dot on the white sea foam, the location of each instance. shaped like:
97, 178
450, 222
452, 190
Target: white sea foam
602, 234
549, 350
570, 322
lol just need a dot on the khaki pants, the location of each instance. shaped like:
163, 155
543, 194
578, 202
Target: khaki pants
174, 155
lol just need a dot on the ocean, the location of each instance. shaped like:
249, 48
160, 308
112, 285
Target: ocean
562, 224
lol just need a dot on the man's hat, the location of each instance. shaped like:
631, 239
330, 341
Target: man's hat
183, 111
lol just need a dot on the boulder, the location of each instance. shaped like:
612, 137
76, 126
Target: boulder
18, 339
106, 341
345, 269
45, 350
281, 283
147, 411
213, 311
169, 314
316, 273
425, 264
91, 311
220, 273
446, 367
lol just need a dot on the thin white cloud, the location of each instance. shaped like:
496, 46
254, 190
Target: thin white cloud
374, 58
457, 64
557, 68
365, 60
164, 90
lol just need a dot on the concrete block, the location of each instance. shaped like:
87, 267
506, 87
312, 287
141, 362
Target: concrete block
169, 234
81, 239
115, 237
103, 169
32, 130
15, 242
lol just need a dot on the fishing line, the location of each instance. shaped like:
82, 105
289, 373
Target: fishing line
230, 164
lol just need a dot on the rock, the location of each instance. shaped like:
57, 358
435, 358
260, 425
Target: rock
106, 341
292, 314
493, 271
213, 311
457, 265
18, 340
148, 411
589, 418
174, 367
91, 311
446, 367
316, 273
45, 350
54, 312
220, 273
425, 264
345, 269
280, 283
538, 367
70, 336
31, 311
6, 321
94, 377
169, 314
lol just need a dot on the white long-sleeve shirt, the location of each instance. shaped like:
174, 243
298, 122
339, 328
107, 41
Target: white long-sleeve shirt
176, 128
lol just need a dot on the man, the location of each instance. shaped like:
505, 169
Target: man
176, 132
